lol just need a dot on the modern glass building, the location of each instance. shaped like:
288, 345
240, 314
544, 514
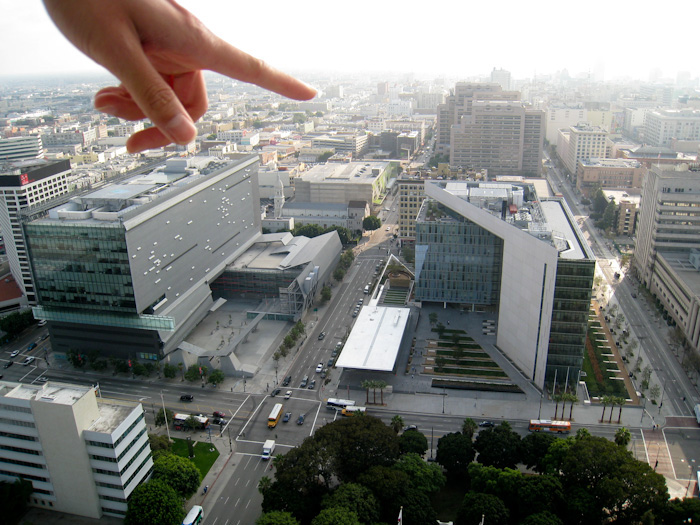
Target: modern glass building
498, 247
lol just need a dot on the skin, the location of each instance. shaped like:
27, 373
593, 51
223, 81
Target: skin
157, 49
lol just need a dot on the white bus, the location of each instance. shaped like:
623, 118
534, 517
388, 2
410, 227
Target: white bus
351, 411
339, 404
194, 516
180, 421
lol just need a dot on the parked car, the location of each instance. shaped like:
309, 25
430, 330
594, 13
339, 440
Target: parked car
319, 368
28, 361
287, 380
321, 335
186, 397
287, 416
312, 384
288, 394
355, 312
300, 420
330, 362
275, 392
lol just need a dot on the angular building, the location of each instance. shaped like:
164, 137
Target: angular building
497, 247
82, 455
19, 148
127, 268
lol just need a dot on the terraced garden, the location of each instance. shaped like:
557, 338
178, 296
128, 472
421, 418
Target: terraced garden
454, 353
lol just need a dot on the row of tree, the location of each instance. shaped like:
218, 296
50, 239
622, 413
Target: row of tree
358, 470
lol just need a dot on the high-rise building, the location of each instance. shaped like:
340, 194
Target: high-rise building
459, 103
667, 249
502, 78
563, 116
25, 187
411, 193
582, 141
498, 247
505, 137
127, 268
663, 125
82, 455
20, 148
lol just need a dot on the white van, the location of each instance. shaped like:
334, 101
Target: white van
367, 289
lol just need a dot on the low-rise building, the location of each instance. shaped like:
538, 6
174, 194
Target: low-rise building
597, 173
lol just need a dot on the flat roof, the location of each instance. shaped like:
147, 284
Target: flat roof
345, 173
680, 262
375, 338
50, 392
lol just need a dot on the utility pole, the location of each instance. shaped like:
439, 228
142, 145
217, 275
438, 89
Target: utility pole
165, 415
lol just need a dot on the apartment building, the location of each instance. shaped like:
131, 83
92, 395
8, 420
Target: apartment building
82, 455
581, 141
663, 125
411, 192
563, 115
608, 174
498, 247
501, 136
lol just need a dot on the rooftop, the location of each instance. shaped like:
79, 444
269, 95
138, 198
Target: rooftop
610, 163
346, 173
51, 392
112, 414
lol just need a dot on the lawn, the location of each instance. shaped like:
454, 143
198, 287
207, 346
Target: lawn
203, 457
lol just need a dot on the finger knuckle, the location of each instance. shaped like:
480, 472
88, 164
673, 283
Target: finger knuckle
157, 96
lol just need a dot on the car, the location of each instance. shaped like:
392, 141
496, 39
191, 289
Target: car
321, 336
287, 380
186, 397
312, 384
42, 322
355, 312
288, 394
275, 392
300, 419
219, 421
14, 353
9, 364
334, 353
324, 373
330, 362
359, 303
388, 228
218, 413
304, 382
44, 337
411, 427
28, 361
31, 346
319, 368
487, 424
286, 417
634, 295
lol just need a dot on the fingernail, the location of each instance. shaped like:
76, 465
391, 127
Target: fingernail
106, 109
180, 129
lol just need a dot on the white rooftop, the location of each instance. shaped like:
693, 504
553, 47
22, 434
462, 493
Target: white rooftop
374, 341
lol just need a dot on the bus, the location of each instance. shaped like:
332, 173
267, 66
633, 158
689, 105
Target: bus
180, 421
274, 417
351, 411
194, 516
547, 425
339, 404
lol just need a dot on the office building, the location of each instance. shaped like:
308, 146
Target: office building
498, 247
459, 103
663, 125
82, 455
353, 144
582, 141
608, 174
127, 268
411, 193
26, 186
502, 78
627, 202
501, 136
562, 116
20, 148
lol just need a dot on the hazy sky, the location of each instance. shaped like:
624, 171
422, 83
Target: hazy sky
439, 37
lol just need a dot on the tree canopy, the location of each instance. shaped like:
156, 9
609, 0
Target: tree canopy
371, 223
413, 441
154, 503
178, 472
355, 498
455, 452
498, 446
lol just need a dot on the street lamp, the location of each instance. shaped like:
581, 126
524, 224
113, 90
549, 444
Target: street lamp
165, 415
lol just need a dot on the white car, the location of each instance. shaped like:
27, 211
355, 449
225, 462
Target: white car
29, 360
15, 353
288, 394
319, 368
388, 228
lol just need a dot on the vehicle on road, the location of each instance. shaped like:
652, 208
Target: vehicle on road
547, 425
338, 404
330, 362
324, 373
194, 516
44, 337
182, 421
304, 382
288, 394
42, 379
355, 312
319, 368
275, 392
218, 413
287, 380
14, 353
300, 421
31, 346
287, 416
268, 448
219, 421
28, 361
42, 322
321, 336
274, 416
186, 397
351, 411
487, 424
312, 384
9, 364
388, 228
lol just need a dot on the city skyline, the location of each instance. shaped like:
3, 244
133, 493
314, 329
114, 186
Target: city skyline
377, 37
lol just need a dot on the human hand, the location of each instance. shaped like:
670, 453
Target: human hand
158, 49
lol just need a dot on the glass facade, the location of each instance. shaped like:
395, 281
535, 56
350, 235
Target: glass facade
567, 336
457, 261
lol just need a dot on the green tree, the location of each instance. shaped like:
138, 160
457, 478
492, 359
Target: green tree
371, 223
425, 477
178, 472
600, 203
454, 452
338, 273
326, 294
413, 441
336, 516
138, 369
498, 446
75, 358
325, 156
309, 230
539, 494
608, 218
355, 498
654, 393
216, 377
534, 448
623, 437
344, 234
469, 427
159, 443
542, 518
433, 317
476, 505
154, 503
417, 508
396, 423
299, 118
277, 517
409, 254
169, 371
193, 373
389, 486
679, 511
160, 417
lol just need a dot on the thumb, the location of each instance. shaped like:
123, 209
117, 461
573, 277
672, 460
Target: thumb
157, 100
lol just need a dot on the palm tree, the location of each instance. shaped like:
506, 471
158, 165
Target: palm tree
366, 384
469, 426
621, 401
614, 401
396, 423
572, 399
557, 398
381, 385
605, 400
623, 437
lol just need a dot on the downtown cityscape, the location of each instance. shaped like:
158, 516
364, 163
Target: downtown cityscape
416, 297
